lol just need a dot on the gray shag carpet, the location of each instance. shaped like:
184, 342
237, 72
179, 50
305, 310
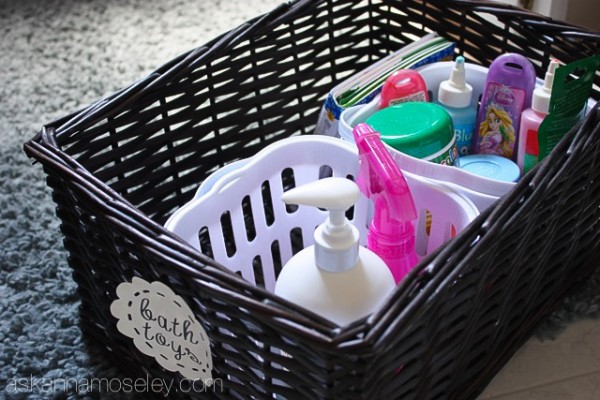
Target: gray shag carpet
57, 56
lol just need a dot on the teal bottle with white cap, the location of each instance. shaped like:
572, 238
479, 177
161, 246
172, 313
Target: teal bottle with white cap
456, 96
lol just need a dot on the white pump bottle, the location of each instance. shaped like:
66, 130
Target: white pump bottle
336, 277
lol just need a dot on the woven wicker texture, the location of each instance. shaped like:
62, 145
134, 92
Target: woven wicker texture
119, 168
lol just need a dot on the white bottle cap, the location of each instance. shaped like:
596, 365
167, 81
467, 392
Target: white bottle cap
336, 240
540, 101
456, 92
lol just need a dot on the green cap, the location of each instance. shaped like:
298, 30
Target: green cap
418, 129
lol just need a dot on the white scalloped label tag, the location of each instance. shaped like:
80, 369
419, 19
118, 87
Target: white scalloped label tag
162, 325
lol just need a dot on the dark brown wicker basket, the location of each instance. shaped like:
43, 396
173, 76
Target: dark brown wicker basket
120, 167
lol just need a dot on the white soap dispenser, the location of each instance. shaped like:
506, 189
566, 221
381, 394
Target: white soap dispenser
336, 277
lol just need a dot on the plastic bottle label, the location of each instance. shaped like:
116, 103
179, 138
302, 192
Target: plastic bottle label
531, 150
418, 96
464, 138
499, 121
448, 156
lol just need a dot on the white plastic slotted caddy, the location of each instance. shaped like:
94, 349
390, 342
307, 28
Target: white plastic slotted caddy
250, 197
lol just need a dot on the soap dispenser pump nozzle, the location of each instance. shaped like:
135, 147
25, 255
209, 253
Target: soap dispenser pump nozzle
336, 240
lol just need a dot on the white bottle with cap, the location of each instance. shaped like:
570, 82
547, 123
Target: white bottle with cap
336, 277
455, 95
531, 119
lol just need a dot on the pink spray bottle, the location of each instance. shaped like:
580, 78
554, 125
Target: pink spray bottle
391, 233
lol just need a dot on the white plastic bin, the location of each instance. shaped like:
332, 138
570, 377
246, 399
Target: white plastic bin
246, 202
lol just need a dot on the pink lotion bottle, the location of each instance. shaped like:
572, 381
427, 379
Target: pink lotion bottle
531, 118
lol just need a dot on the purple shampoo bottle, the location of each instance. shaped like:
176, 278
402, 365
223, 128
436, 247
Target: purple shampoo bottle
508, 89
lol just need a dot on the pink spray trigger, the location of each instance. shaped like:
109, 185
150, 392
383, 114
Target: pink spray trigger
379, 174
391, 233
